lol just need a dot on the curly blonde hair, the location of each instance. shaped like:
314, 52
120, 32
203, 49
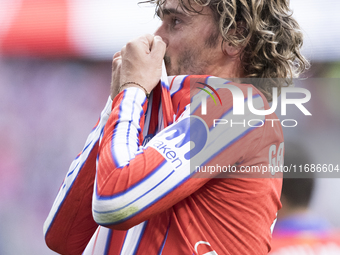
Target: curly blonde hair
270, 37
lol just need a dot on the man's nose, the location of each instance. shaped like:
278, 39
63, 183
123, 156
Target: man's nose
161, 31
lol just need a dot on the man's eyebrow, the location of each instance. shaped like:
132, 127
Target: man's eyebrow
168, 11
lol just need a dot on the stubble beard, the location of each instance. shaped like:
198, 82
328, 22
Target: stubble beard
191, 61
167, 62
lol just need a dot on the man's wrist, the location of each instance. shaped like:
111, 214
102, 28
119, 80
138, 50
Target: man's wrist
134, 84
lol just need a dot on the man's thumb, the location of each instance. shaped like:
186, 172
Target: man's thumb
158, 47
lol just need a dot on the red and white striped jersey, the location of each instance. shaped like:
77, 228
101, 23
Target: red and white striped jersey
125, 196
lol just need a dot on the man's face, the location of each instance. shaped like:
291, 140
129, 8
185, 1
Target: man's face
193, 40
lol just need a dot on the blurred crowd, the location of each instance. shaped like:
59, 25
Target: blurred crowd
47, 109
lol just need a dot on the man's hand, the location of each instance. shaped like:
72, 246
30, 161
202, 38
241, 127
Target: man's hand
140, 61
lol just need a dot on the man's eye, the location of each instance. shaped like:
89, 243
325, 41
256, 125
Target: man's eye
175, 21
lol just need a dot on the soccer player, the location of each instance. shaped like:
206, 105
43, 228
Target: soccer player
135, 188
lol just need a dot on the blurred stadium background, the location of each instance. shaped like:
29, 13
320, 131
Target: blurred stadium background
55, 69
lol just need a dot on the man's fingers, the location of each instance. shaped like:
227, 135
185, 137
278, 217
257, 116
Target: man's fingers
117, 54
158, 47
116, 62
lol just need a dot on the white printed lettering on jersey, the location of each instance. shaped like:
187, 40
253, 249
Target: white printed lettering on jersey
177, 145
276, 158
204, 243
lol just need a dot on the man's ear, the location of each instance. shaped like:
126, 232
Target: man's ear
231, 50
